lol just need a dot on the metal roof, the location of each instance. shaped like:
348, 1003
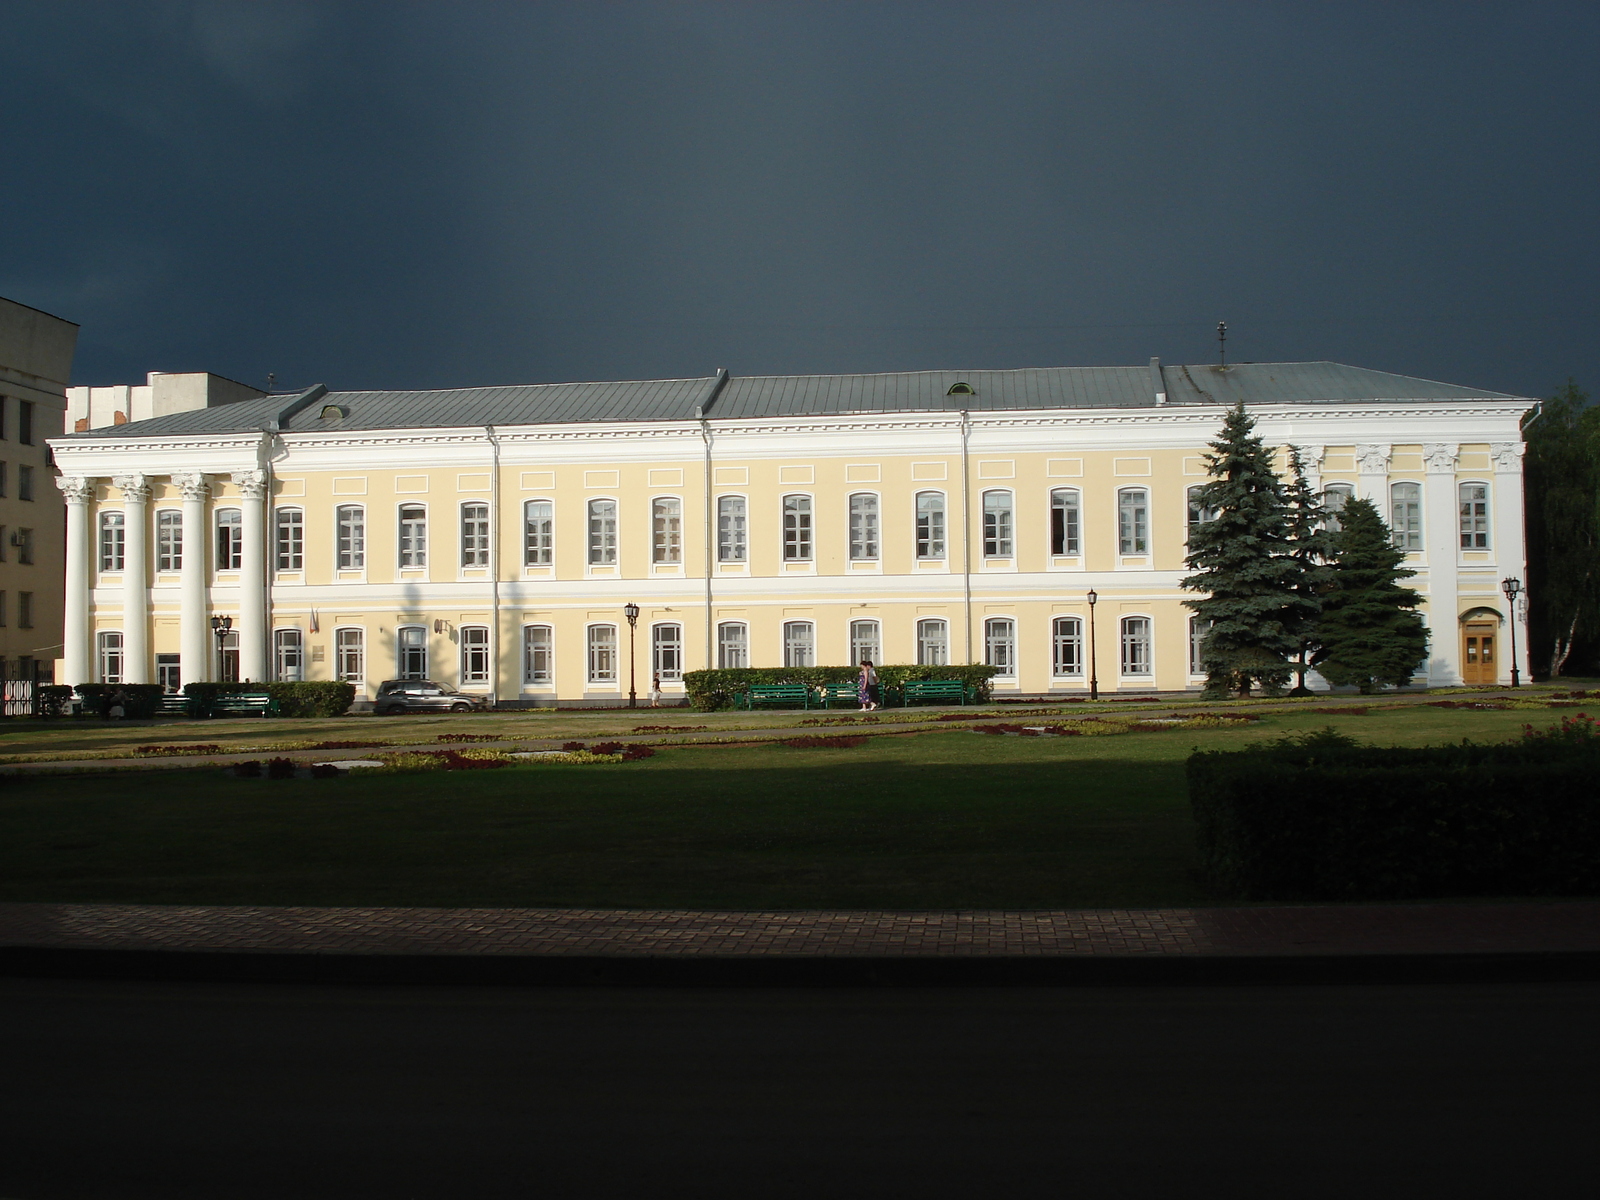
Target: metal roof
805, 395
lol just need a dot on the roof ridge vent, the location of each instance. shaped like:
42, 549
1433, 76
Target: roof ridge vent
1158, 382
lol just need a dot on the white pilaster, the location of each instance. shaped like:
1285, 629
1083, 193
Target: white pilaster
135, 578
1311, 462
1510, 550
1373, 462
1441, 540
76, 651
194, 629
252, 577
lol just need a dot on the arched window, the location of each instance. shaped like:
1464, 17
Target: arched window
666, 651
1200, 513
538, 533
1064, 510
1133, 521
230, 539
291, 551
799, 644
351, 536
602, 533
863, 527
475, 535
474, 653
1474, 516
930, 525
112, 544
412, 651
1066, 646
666, 530
350, 654
1136, 656
961, 389
289, 654
1334, 497
733, 645
413, 535
997, 524
538, 655
602, 654
169, 539
1198, 628
865, 643
1000, 645
109, 645
731, 535
797, 528
1405, 524
933, 642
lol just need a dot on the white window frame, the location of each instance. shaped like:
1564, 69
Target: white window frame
666, 531
288, 654
730, 647
798, 525
1347, 493
1406, 530
415, 545
799, 642
1066, 522
229, 544
538, 534
169, 540
474, 663
1000, 645
1133, 522
865, 526
472, 519
666, 651
111, 661
931, 651
602, 537
350, 537
733, 528
350, 654
600, 641
538, 656
1476, 515
408, 641
932, 527
999, 523
866, 641
293, 546
1195, 513
1127, 639
1066, 648
1198, 628
113, 555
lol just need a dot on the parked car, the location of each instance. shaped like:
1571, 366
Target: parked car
397, 696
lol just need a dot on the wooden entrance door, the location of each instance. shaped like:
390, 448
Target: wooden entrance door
1478, 663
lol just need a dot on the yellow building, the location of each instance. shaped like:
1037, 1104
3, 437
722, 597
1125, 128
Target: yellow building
490, 538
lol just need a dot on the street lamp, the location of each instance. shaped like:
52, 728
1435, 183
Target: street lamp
631, 611
1513, 588
1094, 663
220, 626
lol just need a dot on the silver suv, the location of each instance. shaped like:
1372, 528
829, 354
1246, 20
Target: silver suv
423, 695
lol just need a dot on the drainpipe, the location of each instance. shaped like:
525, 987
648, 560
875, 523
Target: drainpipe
494, 565
966, 531
700, 410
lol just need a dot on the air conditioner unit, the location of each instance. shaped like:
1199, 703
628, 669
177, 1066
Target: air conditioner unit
18, 540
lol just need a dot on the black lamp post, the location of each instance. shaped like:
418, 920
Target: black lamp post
1513, 588
220, 626
1094, 663
631, 611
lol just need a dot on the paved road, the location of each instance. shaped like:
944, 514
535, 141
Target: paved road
118, 1090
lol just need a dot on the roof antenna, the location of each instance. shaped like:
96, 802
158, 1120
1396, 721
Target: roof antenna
272, 381
1222, 343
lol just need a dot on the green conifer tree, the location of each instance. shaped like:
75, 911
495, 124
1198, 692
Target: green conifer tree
1242, 559
1312, 548
1369, 633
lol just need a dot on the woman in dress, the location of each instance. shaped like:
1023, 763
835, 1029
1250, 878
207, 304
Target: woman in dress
867, 686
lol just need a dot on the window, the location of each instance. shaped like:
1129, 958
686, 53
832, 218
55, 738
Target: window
169, 539
289, 654
997, 524
863, 527
351, 535
1136, 646
2, 609
1474, 516
350, 655
228, 653
1066, 646
538, 533
230, 539
110, 649
24, 482
1064, 521
733, 645
602, 533
864, 642
797, 528
1334, 497
25, 546
730, 529
474, 535
2, 479
1198, 628
933, 643
25, 609
25, 422
1000, 644
602, 650
538, 653
2, 543
1133, 521
666, 651
474, 653
1405, 526
291, 539
930, 524
169, 672
666, 530
412, 647
112, 543
1200, 513
799, 639
413, 535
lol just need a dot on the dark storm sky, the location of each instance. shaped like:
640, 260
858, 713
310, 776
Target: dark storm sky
405, 195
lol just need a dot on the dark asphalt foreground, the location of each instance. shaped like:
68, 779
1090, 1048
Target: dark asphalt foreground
238, 1092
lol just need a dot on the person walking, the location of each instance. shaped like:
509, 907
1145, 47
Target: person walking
867, 686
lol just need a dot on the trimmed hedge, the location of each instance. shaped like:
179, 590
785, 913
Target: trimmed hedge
713, 690
50, 699
1321, 820
142, 698
318, 699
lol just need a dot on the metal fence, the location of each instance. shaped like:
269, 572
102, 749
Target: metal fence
18, 697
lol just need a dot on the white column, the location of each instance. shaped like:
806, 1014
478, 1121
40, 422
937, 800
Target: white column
75, 647
1373, 461
1441, 540
135, 579
1510, 551
253, 577
194, 628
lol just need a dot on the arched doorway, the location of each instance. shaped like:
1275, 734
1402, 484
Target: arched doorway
1480, 658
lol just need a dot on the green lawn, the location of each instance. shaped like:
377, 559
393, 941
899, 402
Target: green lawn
947, 819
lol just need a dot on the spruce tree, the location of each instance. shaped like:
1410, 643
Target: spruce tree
1311, 545
1369, 633
1242, 559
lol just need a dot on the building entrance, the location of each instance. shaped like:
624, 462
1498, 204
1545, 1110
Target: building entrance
1478, 663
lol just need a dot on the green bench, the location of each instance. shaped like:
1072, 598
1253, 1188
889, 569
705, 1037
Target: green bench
847, 694
935, 691
242, 704
786, 694
175, 704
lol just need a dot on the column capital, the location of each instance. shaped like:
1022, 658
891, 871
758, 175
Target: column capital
1373, 458
1507, 456
1440, 457
1312, 456
193, 484
252, 485
133, 487
78, 489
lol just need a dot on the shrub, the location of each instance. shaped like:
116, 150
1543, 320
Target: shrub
1573, 731
713, 690
50, 700
280, 768
634, 753
323, 698
325, 771
1320, 817
248, 770
606, 748
573, 747
142, 698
